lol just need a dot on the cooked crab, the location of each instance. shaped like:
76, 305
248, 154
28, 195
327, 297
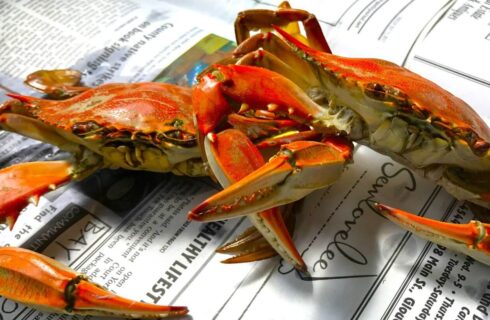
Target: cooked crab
369, 101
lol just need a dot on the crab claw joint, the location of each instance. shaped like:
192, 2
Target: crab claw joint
44, 283
298, 169
471, 238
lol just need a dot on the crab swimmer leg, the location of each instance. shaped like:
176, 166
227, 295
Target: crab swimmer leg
33, 279
58, 84
24, 183
472, 238
231, 156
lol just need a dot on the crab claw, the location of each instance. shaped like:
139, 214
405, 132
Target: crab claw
39, 281
232, 156
298, 169
254, 86
472, 238
24, 183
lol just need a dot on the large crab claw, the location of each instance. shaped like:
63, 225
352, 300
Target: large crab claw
24, 183
298, 169
44, 283
472, 239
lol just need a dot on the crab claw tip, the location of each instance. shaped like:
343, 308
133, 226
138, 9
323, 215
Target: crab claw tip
194, 215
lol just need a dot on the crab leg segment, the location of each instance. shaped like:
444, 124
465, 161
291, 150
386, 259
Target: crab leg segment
298, 169
39, 281
472, 239
26, 182
232, 156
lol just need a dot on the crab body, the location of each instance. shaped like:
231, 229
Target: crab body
384, 106
141, 126
406, 117
369, 101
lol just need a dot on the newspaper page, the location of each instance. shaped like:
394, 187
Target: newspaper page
108, 40
129, 233
385, 29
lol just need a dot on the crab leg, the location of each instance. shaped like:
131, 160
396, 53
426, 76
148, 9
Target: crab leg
41, 282
472, 239
24, 183
284, 16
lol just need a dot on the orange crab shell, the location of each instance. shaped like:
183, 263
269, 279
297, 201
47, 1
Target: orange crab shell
137, 107
410, 92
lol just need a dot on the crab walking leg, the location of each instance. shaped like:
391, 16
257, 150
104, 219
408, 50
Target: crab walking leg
298, 169
251, 245
472, 239
33, 279
232, 156
284, 16
24, 183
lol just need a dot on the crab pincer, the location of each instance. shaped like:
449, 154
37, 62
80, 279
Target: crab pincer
251, 184
44, 283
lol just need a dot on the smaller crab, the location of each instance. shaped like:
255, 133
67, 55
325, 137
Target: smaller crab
142, 126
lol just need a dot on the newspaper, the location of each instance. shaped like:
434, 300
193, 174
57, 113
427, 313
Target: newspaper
128, 230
